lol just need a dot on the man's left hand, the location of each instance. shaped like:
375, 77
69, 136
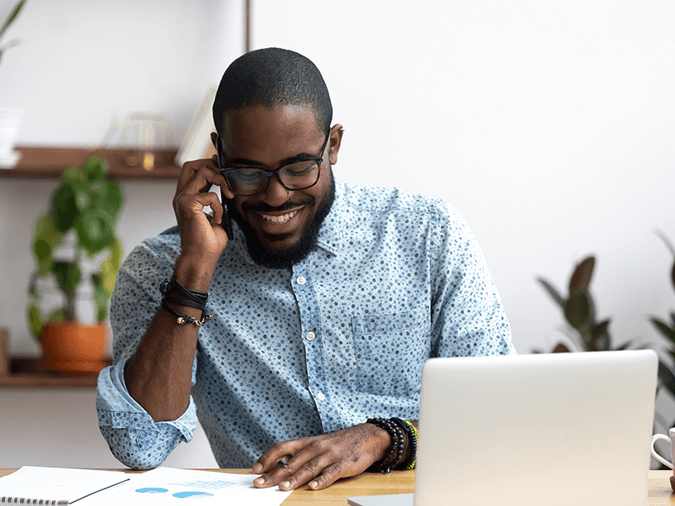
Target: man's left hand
321, 460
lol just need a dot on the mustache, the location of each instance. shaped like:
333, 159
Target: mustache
266, 208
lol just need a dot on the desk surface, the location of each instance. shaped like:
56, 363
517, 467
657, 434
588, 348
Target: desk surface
402, 482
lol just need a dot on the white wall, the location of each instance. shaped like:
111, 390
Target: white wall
549, 125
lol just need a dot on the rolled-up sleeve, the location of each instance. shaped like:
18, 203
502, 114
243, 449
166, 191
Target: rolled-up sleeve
134, 438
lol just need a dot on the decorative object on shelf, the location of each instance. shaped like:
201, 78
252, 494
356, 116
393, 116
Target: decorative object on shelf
145, 137
10, 117
75, 242
10, 122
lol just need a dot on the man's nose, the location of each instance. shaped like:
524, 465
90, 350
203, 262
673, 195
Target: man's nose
275, 194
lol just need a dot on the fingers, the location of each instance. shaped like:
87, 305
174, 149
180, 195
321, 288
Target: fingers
269, 460
311, 460
197, 203
197, 177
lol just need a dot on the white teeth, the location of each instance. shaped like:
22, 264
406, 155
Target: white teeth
279, 219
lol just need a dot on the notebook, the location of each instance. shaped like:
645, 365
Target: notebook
555, 429
54, 485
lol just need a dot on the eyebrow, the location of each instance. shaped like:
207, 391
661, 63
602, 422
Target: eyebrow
300, 157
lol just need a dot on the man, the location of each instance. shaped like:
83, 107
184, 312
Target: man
325, 302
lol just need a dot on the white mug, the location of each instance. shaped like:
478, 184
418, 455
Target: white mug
671, 441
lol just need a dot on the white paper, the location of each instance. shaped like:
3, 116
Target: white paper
165, 485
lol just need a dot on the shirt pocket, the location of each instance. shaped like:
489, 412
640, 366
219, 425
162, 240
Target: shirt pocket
390, 352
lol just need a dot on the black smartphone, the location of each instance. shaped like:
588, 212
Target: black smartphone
227, 223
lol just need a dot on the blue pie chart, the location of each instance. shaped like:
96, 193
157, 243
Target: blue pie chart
151, 490
192, 495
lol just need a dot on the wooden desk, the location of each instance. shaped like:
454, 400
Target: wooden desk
403, 482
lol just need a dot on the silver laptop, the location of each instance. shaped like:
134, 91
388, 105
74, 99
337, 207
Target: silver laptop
555, 429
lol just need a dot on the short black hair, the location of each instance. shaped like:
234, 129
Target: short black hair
270, 77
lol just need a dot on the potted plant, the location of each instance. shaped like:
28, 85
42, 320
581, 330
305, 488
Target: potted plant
667, 330
75, 242
579, 310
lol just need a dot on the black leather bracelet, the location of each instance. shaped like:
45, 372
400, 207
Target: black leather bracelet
193, 298
182, 318
170, 285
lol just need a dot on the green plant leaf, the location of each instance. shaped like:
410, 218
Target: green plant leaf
109, 198
57, 316
64, 208
672, 274
600, 336
43, 255
42, 249
11, 17
35, 320
68, 276
101, 297
664, 329
666, 377
581, 278
552, 292
603, 343
600, 329
578, 310
82, 193
74, 175
628, 344
95, 168
95, 230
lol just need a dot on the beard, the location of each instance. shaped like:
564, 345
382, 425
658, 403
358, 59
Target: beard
285, 258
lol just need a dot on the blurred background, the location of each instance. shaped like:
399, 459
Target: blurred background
550, 126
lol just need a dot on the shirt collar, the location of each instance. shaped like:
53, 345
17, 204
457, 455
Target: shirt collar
331, 235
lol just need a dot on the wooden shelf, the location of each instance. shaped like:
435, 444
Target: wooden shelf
49, 162
32, 373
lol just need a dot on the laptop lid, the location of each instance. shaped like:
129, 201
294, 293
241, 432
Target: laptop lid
555, 429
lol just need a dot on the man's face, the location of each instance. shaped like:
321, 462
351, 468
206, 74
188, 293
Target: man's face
280, 225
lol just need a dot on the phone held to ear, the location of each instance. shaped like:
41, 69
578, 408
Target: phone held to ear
227, 223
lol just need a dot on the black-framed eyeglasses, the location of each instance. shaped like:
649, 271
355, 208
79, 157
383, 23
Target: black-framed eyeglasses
298, 175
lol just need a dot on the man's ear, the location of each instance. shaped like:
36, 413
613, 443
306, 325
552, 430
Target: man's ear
214, 140
335, 142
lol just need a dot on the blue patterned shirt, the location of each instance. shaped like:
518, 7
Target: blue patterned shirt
340, 337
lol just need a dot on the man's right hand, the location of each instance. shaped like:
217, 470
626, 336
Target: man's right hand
203, 237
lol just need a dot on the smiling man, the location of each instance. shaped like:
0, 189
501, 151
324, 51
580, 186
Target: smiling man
296, 334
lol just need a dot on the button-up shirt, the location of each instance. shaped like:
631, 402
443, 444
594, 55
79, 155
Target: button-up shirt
338, 338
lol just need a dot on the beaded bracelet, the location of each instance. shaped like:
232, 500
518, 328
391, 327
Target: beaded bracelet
411, 432
397, 445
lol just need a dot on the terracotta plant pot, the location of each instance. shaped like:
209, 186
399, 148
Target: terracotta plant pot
74, 346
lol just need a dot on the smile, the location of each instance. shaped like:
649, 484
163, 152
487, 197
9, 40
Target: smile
279, 219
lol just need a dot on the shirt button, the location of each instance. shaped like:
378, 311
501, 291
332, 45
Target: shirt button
301, 280
310, 336
321, 397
